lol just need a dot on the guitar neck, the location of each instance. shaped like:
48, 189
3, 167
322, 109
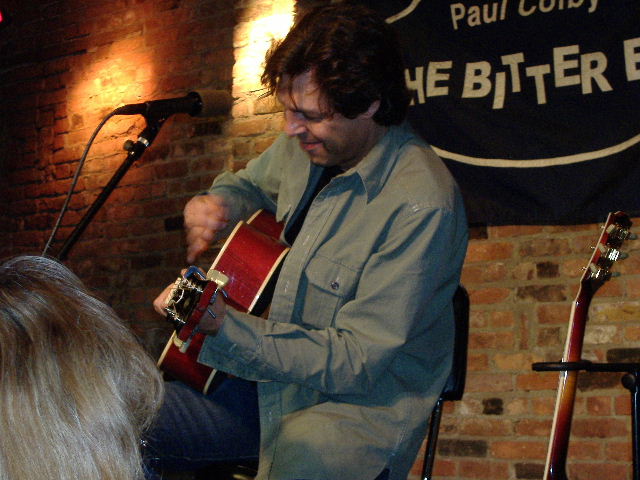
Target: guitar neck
555, 468
597, 272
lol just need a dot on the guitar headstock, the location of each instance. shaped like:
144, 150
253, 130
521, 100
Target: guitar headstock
607, 251
184, 296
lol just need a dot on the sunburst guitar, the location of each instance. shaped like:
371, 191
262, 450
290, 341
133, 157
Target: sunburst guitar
598, 271
244, 271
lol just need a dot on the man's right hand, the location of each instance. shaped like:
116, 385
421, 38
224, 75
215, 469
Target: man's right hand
204, 216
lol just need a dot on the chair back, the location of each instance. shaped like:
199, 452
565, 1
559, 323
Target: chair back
454, 388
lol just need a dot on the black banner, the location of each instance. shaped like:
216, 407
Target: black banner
533, 104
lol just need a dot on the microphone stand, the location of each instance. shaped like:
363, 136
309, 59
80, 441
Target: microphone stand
135, 151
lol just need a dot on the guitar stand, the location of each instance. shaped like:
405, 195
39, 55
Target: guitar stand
630, 381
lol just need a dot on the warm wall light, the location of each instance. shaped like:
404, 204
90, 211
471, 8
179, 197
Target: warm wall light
253, 39
109, 76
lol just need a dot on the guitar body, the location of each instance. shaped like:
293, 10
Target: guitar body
597, 272
248, 261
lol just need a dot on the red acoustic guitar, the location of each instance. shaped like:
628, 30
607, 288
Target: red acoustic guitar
244, 272
597, 272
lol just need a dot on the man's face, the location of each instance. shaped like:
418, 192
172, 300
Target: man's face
329, 139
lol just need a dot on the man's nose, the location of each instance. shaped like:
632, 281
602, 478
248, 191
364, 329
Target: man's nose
294, 124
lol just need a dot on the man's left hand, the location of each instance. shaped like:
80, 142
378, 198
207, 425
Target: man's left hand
211, 320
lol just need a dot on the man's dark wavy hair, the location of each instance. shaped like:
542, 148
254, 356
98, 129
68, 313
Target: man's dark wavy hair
354, 58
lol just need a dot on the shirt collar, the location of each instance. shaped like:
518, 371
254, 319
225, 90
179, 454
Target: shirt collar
374, 169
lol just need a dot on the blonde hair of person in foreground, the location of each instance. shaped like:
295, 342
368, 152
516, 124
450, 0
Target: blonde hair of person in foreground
76, 388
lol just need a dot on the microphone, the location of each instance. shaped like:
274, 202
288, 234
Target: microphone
207, 103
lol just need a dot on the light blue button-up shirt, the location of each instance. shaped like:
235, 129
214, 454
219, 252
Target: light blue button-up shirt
358, 342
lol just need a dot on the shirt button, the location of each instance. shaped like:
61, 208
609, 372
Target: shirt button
334, 285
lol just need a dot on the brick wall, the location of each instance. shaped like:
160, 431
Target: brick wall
522, 283
64, 65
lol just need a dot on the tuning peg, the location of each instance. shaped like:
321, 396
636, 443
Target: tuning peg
609, 254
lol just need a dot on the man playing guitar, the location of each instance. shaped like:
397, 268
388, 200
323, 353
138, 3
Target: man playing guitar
338, 380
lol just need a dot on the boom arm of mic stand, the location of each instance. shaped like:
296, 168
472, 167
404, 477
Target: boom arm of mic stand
135, 151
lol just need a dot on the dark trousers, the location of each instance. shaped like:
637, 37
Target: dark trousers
192, 430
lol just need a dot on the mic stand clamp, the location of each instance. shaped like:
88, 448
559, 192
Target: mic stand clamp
135, 150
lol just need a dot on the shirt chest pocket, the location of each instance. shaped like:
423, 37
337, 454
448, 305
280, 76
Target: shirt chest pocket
329, 286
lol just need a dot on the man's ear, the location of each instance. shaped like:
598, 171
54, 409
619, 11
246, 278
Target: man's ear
371, 111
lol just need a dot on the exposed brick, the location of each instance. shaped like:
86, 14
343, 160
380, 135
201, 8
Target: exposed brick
517, 450
596, 380
573, 267
533, 427
529, 471
488, 251
630, 265
264, 105
486, 426
544, 247
492, 406
551, 337
618, 312
599, 406
633, 287
590, 471
488, 383
444, 468
618, 451
517, 407
517, 361
493, 340
544, 406
524, 271
599, 427
493, 272
627, 355
501, 319
515, 231
612, 288
462, 448
488, 295
482, 469
547, 270
477, 361
583, 449
192, 148
632, 334
247, 128
622, 405
242, 147
553, 313
262, 143
536, 381
542, 293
